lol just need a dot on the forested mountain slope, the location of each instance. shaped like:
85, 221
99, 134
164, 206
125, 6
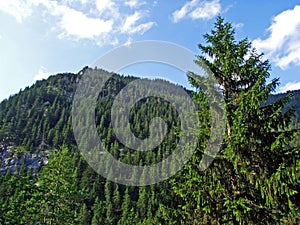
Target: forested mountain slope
37, 121
41, 114
254, 178
293, 103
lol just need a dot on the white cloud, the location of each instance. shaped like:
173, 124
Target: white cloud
107, 7
181, 13
134, 3
128, 42
142, 28
102, 21
283, 44
103, 4
75, 23
238, 25
290, 87
130, 21
42, 74
18, 9
206, 10
83, 2
197, 9
130, 24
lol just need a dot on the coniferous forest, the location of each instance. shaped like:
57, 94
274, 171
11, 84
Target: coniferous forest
254, 179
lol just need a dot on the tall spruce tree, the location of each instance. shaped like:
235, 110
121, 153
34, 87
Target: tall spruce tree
255, 177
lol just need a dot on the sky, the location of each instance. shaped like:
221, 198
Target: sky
39, 38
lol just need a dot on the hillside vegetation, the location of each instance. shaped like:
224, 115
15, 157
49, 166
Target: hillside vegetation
254, 179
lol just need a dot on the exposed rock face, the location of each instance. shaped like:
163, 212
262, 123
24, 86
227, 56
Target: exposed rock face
11, 159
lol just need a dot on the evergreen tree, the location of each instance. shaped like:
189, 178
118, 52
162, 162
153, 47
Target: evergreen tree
60, 196
126, 206
109, 217
254, 177
99, 212
83, 216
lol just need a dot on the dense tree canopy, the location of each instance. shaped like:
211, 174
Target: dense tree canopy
255, 177
253, 180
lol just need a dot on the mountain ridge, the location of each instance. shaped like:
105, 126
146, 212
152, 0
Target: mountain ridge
39, 117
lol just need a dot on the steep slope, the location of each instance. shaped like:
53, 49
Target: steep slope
39, 115
294, 101
38, 118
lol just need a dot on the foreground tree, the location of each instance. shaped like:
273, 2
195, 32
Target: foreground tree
58, 194
255, 177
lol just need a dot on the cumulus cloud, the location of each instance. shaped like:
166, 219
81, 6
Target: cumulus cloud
282, 45
18, 9
42, 74
197, 9
77, 24
102, 21
206, 10
290, 87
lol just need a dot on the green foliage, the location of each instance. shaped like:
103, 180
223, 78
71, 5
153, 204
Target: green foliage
253, 180
60, 197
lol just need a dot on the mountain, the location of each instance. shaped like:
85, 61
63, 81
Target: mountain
41, 114
38, 151
293, 103
39, 117
42, 170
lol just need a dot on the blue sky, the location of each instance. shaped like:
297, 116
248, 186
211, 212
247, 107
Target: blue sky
40, 37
